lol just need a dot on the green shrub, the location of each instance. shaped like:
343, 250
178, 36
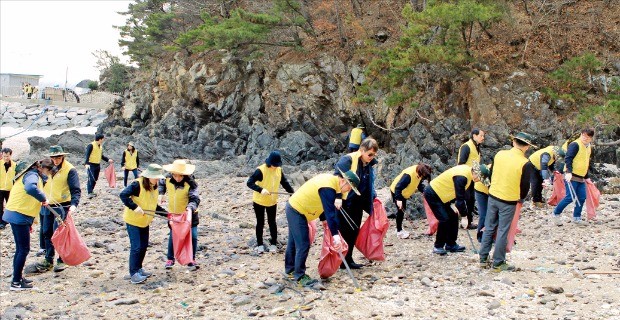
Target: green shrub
93, 85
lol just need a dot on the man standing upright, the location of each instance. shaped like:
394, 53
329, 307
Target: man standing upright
510, 183
361, 163
468, 153
93, 157
7, 173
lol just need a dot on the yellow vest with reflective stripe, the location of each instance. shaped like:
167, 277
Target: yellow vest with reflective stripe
581, 162
95, 155
21, 202
131, 159
535, 157
271, 182
480, 187
177, 198
147, 200
443, 185
306, 199
473, 152
6, 177
412, 187
506, 177
57, 187
356, 136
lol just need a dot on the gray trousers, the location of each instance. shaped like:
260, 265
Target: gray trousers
499, 215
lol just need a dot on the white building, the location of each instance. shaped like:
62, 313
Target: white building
11, 84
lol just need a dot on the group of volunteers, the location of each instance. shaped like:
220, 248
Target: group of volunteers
52, 185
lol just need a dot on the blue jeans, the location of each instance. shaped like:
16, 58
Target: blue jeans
170, 254
48, 226
580, 190
298, 244
126, 175
138, 241
482, 200
92, 174
21, 234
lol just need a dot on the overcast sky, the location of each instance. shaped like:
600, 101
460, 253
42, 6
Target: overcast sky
47, 37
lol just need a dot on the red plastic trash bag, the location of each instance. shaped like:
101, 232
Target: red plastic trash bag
370, 238
69, 244
433, 223
559, 191
110, 175
312, 230
330, 259
514, 229
593, 197
181, 238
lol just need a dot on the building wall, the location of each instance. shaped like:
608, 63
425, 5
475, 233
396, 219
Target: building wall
11, 84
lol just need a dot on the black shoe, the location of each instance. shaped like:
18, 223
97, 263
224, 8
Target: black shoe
28, 281
440, 251
455, 248
18, 286
352, 265
472, 226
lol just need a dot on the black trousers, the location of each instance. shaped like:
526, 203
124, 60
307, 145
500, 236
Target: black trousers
536, 181
4, 197
259, 210
400, 214
348, 230
448, 228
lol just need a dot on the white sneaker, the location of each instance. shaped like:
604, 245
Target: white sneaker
557, 219
402, 234
272, 248
259, 249
578, 222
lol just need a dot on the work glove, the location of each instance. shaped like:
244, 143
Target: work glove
399, 204
110, 160
123, 168
338, 204
45, 203
188, 215
139, 210
455, 209
464, 222
337, 242
568, 176
265, 192
160, 199
72, 209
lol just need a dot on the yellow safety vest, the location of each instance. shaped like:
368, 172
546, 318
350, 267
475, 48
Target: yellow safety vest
271, 182
535, 157
581, 162
356, 136
95, 155
506, 177
412, 187
21, 202
473, 153
443, 185
306, 199
147, 200
57, 187
131, 159
177, 198
6, 177
480, 187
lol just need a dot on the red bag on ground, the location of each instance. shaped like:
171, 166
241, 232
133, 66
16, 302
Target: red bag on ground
181, 238
330, 259
110, 175
593, 197
559, 191
512, 232
433, 223
70, 246
370, 238
312, 231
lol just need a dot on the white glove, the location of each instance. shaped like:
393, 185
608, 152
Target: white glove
110, 161
338, 204
188, 216
160, 199
139, 210
399, 204
568, 176
464, 222
265, 192
44, 203
72, 209
337, 242
455, 209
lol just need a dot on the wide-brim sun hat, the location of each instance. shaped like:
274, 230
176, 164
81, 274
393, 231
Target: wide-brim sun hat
524, 137
56, 151
130, 143
483, 172
352, 179
153, 171
180, 167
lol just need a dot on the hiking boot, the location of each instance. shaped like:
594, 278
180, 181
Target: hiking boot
145, 273
137, 278
557, 220
455, 248
306, 281
485, 263
169, 264
272, 248
259, 249
503, 267
192, 266
41, 252
402, 234
440, 251
44, 266
21, 285
60, 266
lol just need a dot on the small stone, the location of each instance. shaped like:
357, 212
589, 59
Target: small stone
555, 290
241, 300
484, 293
494, 304
124, 302
427, 282
278, 311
